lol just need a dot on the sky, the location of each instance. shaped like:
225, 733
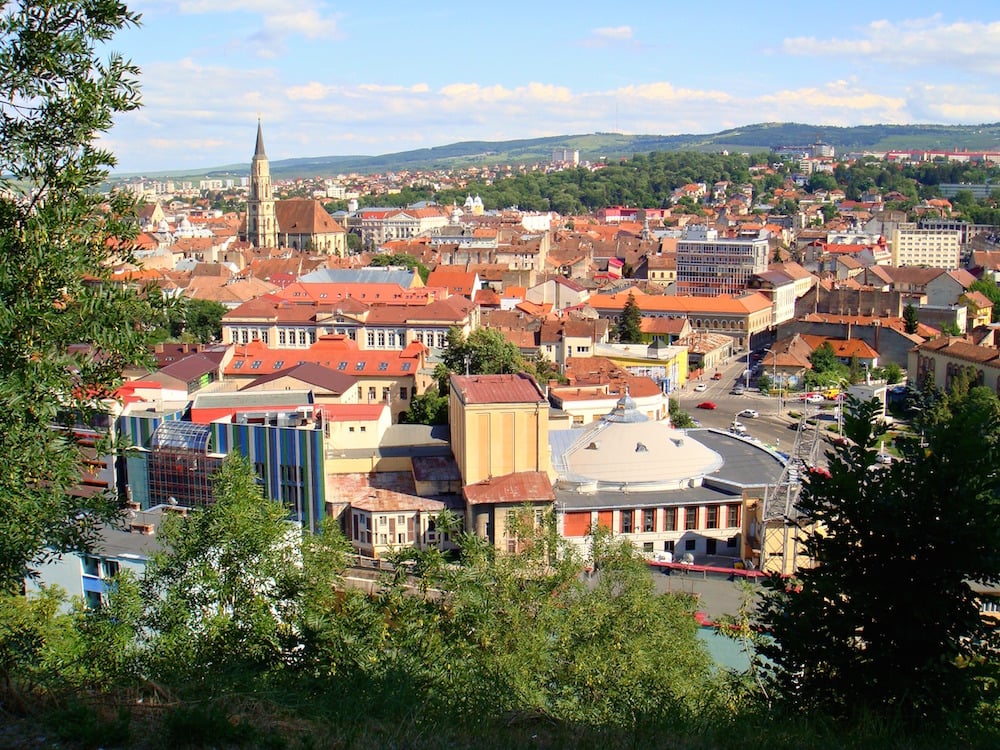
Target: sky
329, 78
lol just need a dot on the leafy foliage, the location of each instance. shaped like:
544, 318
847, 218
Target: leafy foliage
630, 325
64, 336
401, 259
483, 352
223, 590
427, 408
887, 623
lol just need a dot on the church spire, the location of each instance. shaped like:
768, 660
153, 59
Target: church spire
259, 152
262, 224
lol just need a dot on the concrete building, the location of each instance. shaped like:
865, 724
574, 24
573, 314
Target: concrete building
709, 265
499, 425
935, 248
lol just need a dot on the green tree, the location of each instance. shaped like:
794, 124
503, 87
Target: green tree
401, 259
630, 325
483, 352
57, 234
222, 595
203, 320
886, 623
427, 408
910, 319
678, 417
826, 368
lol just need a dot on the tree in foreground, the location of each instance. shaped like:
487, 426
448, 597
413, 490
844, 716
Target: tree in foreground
887, 623
64, 336
224, 590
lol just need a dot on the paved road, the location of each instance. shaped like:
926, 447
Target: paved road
773, 425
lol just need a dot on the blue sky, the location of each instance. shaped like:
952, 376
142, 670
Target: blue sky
331, 78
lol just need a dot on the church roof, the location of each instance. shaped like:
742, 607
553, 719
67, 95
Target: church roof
304, 216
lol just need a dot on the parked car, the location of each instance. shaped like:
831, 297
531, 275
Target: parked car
717, 376
707, 405
700, 387
883, 458
840, 440
739, 390
751, 413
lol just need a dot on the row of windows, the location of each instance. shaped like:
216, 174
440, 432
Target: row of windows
382, 339
428, 338
675, 519
404, 393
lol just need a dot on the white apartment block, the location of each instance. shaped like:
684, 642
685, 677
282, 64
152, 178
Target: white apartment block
933, 248
708, 265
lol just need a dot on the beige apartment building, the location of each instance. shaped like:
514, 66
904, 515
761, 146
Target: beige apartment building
933, 248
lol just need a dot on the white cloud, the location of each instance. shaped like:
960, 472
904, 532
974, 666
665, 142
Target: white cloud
277, 21
202, 116
616, 33
931, 42
606, 36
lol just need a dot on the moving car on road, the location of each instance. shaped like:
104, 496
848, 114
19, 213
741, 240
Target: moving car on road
707, 405
751, 413
700, 387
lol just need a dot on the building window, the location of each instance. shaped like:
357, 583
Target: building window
302, 337
690, 545
733, 516
282, 337
381, 339
626, 522
371, 393
647, 546
690, 518
442, 340
648, 520
669, 519
371, 339
712, 521
403, 393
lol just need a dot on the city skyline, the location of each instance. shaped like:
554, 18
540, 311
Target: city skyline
335, 79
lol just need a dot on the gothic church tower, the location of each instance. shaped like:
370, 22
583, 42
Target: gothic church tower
262, 227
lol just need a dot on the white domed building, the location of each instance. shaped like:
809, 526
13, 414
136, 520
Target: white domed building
671, 492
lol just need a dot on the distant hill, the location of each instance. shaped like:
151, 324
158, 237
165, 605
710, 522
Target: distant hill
601, 146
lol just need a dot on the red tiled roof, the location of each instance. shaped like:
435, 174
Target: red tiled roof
497, 389
336, 352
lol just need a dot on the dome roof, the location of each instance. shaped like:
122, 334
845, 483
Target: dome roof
625, 448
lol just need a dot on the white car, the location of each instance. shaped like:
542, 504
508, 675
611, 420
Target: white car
700, 387
814, 398
751, 413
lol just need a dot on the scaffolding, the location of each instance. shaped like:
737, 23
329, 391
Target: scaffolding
781, 533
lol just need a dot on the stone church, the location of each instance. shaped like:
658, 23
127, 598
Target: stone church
297, 223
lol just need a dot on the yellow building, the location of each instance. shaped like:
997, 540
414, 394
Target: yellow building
499, 425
